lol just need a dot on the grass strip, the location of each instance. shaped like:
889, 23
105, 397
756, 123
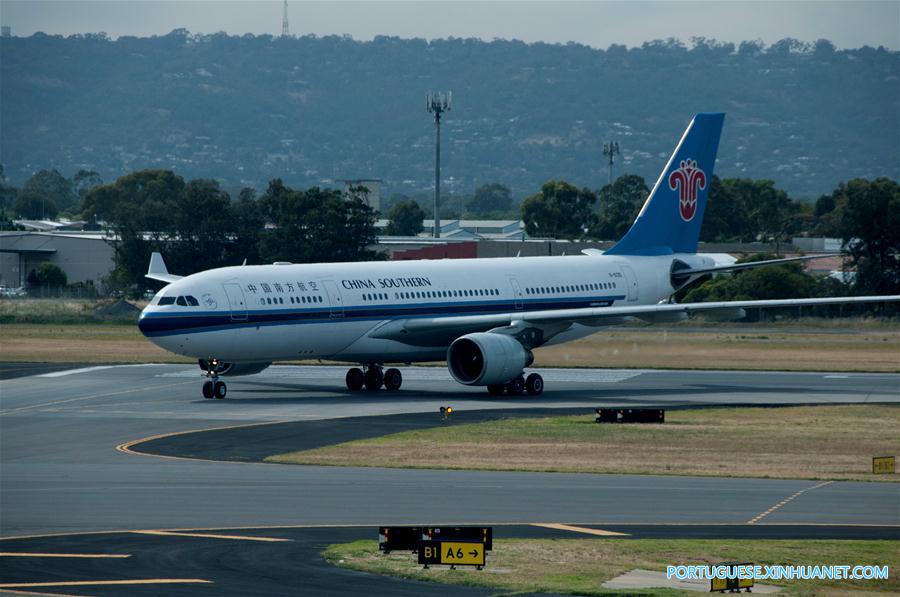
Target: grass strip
808, 442
581, 566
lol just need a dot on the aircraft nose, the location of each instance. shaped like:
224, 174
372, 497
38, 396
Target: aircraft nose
144, 324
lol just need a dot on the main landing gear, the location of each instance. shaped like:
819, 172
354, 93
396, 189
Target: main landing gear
373, 377
533, 384
213, 387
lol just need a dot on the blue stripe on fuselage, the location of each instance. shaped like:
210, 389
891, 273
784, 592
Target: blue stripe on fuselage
154, 324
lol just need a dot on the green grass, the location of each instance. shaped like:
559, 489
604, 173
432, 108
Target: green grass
817, 442
580, 566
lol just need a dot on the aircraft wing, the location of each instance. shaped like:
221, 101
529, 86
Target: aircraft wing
159, 271
438, 330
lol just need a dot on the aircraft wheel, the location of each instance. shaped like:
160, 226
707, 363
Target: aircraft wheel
516, 386
355, 379
207, 389
393, 379
219, 390
534, 384
374, 379
496, 389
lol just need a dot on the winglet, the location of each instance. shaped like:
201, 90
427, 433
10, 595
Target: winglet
158, 270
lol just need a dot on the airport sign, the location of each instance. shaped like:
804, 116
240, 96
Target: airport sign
883, 465
451, 553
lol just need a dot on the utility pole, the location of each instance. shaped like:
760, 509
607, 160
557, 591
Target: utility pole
285, 30
437, 104
610, 149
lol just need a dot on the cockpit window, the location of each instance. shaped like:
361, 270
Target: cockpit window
180, 301
191, 301
167, 300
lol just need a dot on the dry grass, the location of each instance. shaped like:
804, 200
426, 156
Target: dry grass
95, 343
582, 565
820, 442
743, 348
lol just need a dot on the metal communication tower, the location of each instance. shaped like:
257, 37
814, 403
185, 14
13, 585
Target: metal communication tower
437, 104
285, 31
610, 149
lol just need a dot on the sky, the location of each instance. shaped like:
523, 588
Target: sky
847, 23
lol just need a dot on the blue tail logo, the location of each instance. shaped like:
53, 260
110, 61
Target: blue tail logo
671, 218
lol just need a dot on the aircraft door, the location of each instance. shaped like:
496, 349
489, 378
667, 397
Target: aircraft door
236, 301
517, 291
631, 282
334, 298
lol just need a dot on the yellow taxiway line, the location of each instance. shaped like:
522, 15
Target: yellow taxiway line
212, 536
574, 529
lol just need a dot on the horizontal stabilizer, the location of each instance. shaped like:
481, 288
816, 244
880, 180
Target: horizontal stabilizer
158, 270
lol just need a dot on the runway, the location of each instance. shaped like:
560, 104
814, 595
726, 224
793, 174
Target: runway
61, 472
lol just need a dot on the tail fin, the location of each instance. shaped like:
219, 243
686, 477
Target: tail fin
671, 218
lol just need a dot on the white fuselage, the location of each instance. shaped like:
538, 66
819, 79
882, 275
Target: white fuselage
332, 310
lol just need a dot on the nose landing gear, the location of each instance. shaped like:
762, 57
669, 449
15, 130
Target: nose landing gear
213, 387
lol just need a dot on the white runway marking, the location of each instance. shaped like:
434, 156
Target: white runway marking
75, 371
329, 373
91, 369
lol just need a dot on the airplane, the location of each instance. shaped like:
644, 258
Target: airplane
484, 317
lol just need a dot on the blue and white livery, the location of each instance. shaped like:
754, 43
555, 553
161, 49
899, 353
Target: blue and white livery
484, 317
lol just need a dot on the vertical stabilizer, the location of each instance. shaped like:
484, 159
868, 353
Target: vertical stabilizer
670, 220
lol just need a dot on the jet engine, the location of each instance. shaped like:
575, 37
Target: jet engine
235, 369
484, 358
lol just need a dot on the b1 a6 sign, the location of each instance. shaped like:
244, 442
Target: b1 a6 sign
451, 553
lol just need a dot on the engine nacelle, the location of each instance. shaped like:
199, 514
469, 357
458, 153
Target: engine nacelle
235, 369
483, 359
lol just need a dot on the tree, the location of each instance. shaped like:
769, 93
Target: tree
560, 210
84, 181
202, 227
763, 283
52, 186
490, 198
47, 275
405, 219
34, 206
194, 224
868, 220
248, 224
315, 225
725, 218
620, 203
8, 193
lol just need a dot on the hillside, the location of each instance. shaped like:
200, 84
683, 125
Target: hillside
311, 110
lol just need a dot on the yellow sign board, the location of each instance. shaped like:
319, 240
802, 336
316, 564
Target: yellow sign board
471, 554
452, 553
883, 465
718, 584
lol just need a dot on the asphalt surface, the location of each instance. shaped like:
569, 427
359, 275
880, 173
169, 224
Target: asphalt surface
60, 471
245, 561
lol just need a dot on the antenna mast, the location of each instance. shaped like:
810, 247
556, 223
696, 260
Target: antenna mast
437, 104
285, 31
